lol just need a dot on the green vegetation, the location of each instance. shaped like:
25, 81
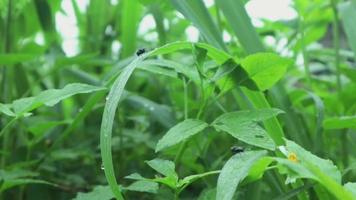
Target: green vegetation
265, 112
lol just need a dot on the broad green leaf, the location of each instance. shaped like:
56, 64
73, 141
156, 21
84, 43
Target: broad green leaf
340, 122
351, 187
99, 192
258, 169
143, 186
135, 176
51, 97
234, 171
6, 109
164, 167
243, 125
265, 69
180, 132
257, 99
347, 12
305, 157
307, 165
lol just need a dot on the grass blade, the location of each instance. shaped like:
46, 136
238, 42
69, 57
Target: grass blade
240, 23
112, 101
199, 15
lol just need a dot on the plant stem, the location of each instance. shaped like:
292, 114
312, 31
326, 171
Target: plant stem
345, 160
183, 146
336, 40
304, 52
185, 87
6, 88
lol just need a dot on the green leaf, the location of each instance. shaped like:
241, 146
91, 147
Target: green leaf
11, 59
199, 15
143, 186
340, 122
107, 122
307, 165
347, 12
240, 23
167, 168
243, 126
234, 171
258, 169
305, 157
17, 177
164, 167
190, 179
51, 97
6, 109
265, 69
180, 132
135, 176
99, 192
349, 73
130, 19
351, 187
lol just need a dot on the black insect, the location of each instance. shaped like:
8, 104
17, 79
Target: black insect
140, 51
237, 149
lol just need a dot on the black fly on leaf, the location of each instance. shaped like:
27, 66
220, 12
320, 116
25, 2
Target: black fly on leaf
237, 149
140, 51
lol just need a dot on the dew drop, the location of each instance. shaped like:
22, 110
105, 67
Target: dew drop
80, 110
102, 166
151, 108
107, 98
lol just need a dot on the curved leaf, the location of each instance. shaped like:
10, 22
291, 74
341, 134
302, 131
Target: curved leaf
234, 171
265, 69
180, 132
243, 126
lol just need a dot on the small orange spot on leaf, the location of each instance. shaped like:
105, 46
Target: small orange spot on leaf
292, 157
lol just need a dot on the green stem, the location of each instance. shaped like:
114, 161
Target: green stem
6, 94
345, 153
184, 145
185, 87
304, 52
336, 40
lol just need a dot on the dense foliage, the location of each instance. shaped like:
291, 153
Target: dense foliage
244, 112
